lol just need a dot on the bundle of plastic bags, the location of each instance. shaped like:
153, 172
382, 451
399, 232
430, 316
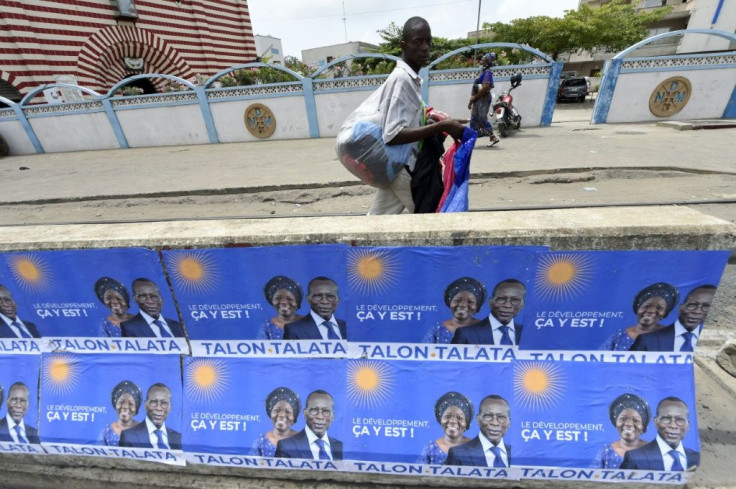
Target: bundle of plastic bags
456, 173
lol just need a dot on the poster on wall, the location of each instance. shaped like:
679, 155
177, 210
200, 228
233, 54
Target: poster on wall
262, 302
18, 404
91, 301
263, 412
439, 295
605, 300
109, 405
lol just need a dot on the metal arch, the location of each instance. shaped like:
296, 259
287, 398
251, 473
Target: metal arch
126, 81
30, 133
523, 47
255, 64
711, 32
29, 96
353, 56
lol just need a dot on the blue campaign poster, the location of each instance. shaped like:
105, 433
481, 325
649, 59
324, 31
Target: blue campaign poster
586, 300
405, 295
251, 293
567, 414
82, 293
394, 407
100, 399
245, 405
18, 401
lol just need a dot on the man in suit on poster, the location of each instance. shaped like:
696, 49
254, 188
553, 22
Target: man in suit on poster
149, 323
488, 448
684, 333
313, 442
507, 299
321, 323
12, 427
666, 451
153, 433
11, 326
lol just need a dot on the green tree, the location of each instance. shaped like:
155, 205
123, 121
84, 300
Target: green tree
614, 26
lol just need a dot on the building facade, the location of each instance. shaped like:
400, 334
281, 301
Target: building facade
97, 43
269, 48
319, 57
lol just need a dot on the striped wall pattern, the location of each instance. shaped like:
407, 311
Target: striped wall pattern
42, 39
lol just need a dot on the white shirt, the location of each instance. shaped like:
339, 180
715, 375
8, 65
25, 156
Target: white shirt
665, 449
498, 334
401, 105
156, 330
13, 328
490, 456
680, 340
322, 328
152, 435
13, 433
314, 447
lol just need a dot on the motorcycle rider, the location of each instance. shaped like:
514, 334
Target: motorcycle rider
480, 100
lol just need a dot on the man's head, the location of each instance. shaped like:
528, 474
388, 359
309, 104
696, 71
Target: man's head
17, 402
7, 304
694, 309
158, 403
507, 299
319, 412
148, 297
323, 296
416, 42
494, 417
672, 420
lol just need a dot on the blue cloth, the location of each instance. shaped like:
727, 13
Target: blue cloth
457, 198
107, 328
607, 458
269, 331
263, 447
438, 334
432, 454
619, 341
109, 437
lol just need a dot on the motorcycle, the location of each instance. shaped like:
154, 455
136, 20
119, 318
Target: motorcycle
507, 117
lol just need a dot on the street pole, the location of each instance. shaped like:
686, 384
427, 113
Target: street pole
477, 30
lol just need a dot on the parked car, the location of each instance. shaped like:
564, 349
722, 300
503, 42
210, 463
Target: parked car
576, 88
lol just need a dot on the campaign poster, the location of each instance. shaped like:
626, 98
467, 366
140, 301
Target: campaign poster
258, 294
417, 412
19, 429
424, 294
72, 297
600, 300
568, 414
108, 405
237, 411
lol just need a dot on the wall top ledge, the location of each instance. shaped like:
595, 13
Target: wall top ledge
652, 227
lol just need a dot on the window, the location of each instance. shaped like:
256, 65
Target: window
274, 51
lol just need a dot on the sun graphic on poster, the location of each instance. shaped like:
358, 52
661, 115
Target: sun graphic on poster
563, 276
370, 383
371, 272
31, 272
538, 385
206, 379
60, 374
194, 272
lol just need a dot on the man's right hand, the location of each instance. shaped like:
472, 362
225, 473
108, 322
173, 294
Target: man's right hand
454, 127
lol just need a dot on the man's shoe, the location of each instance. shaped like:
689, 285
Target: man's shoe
494, 141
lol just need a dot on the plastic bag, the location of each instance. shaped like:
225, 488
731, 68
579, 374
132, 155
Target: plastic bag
457, 173
361, 150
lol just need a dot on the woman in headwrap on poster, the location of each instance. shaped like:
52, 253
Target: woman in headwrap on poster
454, 413
465, 296
651, 305
282, 408
115, 296
630, 414
126, 400
285, 295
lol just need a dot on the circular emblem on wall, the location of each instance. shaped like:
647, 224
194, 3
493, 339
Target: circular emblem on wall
670, 96
260, 121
